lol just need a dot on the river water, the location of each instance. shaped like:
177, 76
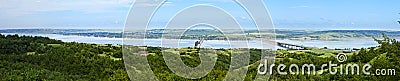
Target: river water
342, 43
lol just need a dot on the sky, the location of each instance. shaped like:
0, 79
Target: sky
285, 14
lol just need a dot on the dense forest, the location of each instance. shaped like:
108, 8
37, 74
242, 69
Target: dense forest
41, 58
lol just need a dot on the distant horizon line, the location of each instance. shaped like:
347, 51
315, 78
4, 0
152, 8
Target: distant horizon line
160, 28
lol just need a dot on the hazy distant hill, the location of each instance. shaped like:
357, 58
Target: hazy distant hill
212, 34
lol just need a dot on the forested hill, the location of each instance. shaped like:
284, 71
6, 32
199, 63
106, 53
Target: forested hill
13, 44
40, 58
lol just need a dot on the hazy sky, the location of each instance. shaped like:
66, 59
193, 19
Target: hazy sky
286, 14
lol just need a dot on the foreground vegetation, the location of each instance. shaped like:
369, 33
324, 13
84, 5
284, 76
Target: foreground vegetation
41, 58
385, 56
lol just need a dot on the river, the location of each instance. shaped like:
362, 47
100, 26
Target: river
343, 43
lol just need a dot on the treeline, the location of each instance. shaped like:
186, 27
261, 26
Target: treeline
40, 58
14, 44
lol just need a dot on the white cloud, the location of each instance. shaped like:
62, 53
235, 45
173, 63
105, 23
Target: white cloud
18, 7
243, 17
150, 3
23, 7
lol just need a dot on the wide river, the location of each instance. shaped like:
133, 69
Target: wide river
343, 43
